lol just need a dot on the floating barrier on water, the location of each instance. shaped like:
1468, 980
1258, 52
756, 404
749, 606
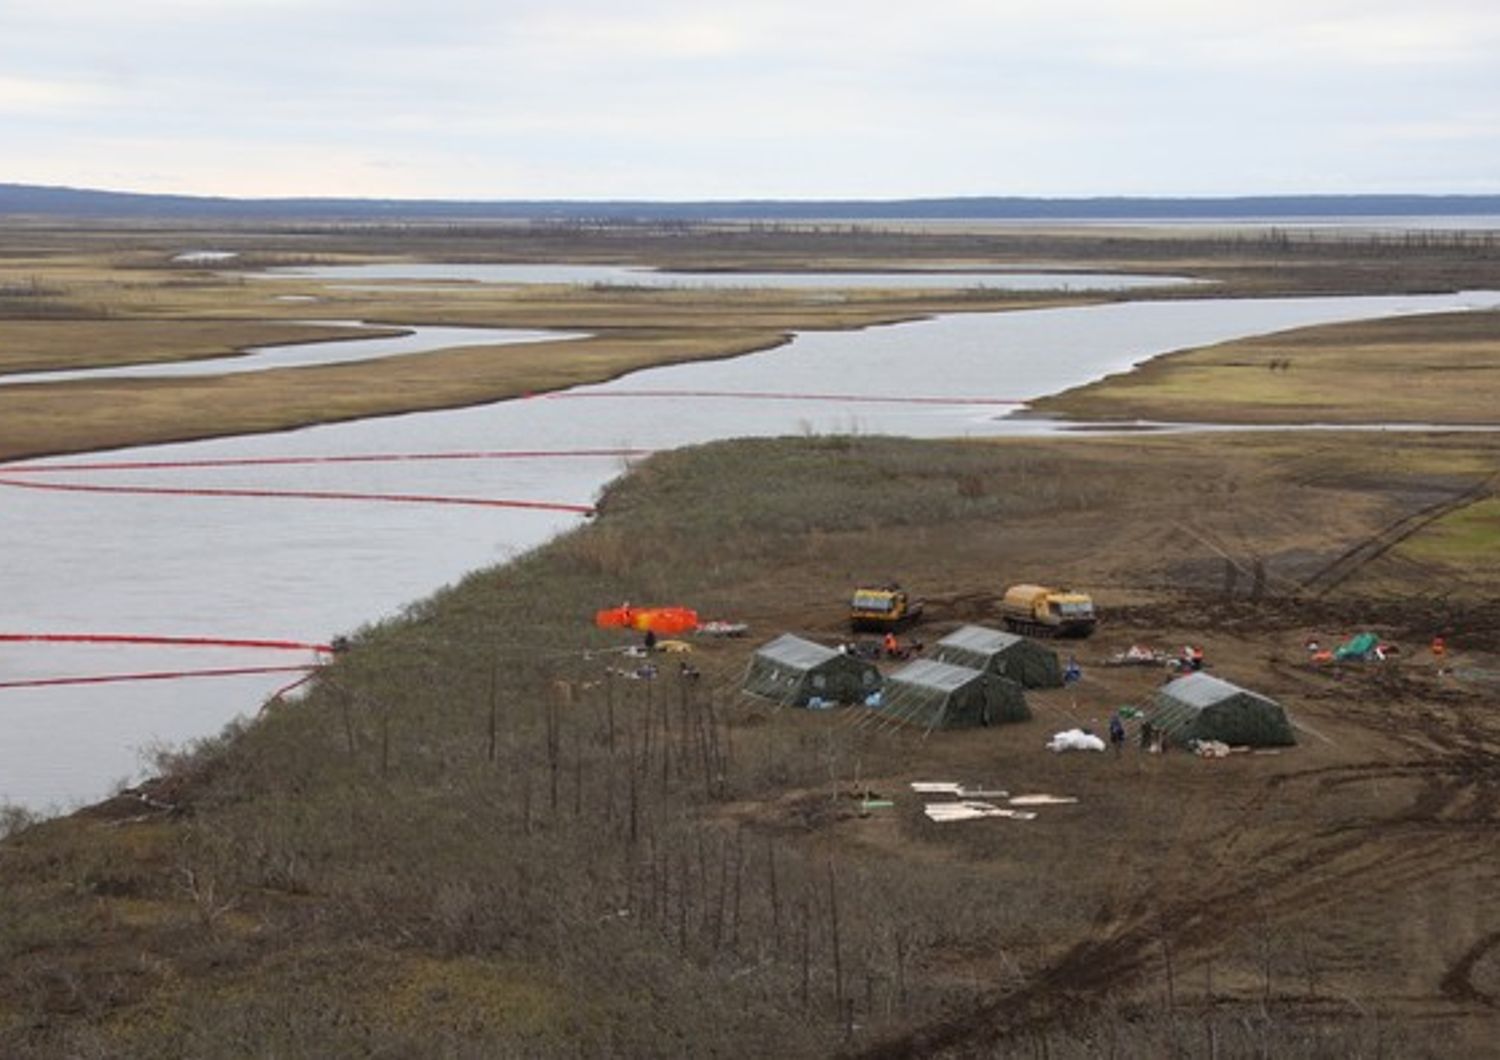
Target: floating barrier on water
162, 641
9, 473
158, 641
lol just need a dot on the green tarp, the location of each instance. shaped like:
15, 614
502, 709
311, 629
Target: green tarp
1357, 647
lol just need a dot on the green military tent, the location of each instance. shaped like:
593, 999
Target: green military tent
1024, 661
939, 695
794, 671
1201, 707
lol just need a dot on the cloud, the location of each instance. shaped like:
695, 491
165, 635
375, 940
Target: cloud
681, 99
36, 96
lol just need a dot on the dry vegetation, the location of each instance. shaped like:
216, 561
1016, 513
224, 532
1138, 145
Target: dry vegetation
123, 300
75, 299
473, 839
1439, 369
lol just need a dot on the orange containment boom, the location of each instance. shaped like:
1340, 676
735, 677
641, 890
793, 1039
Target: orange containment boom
668, 621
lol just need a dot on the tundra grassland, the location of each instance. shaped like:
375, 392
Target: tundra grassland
483, 833
116, 295
1431, 369
479, 834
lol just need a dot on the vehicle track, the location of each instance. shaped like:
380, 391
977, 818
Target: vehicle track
1448, 826
1356, 557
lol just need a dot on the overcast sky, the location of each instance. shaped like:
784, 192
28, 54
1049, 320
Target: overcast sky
714, 99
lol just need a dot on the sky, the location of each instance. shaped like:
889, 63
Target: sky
731, 99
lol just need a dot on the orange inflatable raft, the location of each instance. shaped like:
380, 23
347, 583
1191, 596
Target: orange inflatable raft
667, 621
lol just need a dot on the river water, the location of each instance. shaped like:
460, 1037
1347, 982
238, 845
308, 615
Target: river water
416, 339
634, 276
312, 533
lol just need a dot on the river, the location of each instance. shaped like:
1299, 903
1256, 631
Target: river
307, 534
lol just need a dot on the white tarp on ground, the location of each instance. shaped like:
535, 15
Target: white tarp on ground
1043, 800
971, 811
1075, 740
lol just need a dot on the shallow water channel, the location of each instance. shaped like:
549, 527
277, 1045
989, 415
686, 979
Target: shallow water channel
307, 534
634, 276
415, 339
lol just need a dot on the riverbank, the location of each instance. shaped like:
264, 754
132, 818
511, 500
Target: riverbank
1434, 369
78, 296
77, 312
502, 836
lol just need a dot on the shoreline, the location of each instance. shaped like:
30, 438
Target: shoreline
1078, 428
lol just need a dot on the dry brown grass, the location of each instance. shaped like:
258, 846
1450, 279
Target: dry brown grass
42, 418
1441, 368
50, 345
560, 889
470, 841
124, 307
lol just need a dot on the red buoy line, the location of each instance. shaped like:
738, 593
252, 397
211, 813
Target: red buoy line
139, 638
8, 471
157, 675
289, 461
306, 495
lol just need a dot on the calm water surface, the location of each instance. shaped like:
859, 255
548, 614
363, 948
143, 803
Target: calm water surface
418, 339
628, 276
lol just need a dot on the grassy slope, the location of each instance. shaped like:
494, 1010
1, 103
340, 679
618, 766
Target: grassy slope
1442, 368
385, 868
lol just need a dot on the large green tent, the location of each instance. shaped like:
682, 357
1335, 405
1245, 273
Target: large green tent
1005, 654
794, 671
939, 695
1202, 707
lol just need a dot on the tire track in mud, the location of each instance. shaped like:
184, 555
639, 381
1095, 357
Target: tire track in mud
1458, 984
1311, 877
1357, 556
1433, 836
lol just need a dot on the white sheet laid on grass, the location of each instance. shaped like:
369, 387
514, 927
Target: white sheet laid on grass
969, 810
1074, 740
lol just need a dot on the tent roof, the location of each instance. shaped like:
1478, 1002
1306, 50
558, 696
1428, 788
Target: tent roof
979, 639
1203, 690
792, 650
929, 673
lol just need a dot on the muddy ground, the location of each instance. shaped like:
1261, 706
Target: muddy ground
1348, 882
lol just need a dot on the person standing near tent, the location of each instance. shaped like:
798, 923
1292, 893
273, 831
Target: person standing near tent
1116, 733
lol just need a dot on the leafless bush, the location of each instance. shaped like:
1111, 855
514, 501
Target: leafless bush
14, 818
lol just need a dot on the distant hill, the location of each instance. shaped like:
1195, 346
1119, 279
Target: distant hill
39, 200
